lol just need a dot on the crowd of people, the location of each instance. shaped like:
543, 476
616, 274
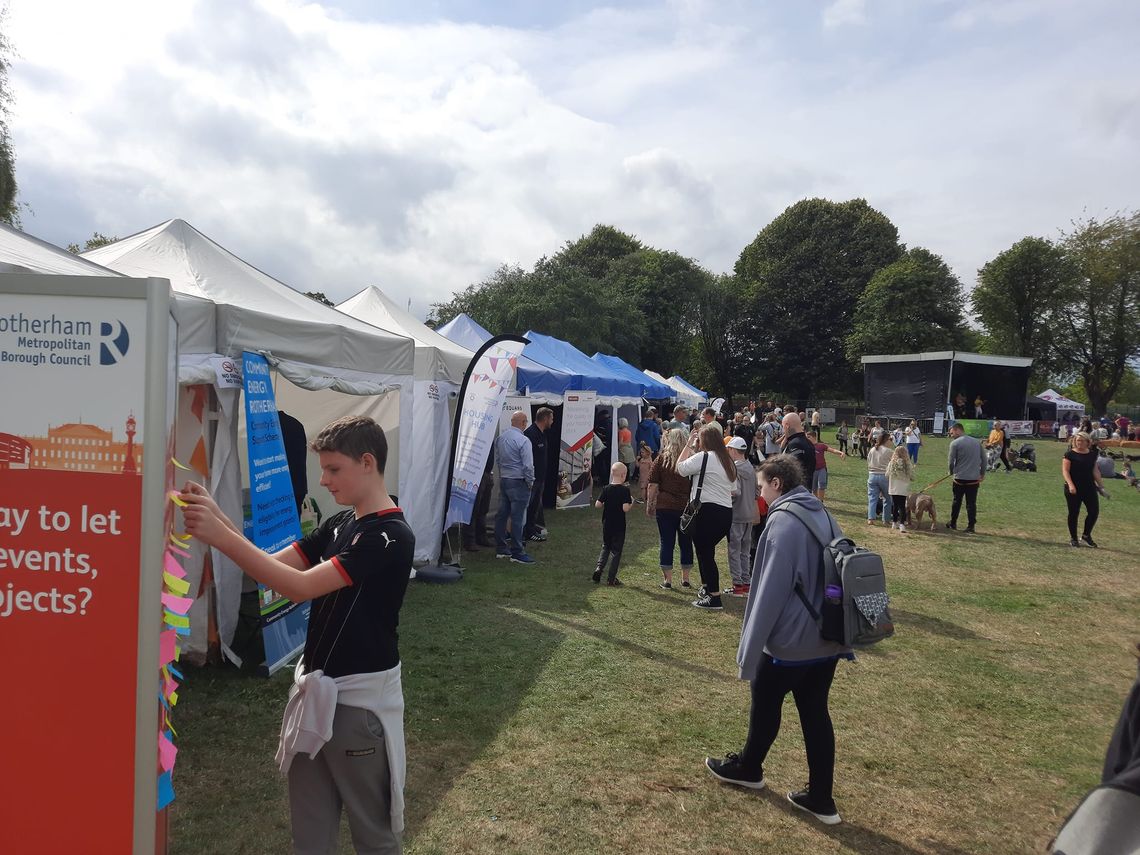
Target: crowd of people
705, 480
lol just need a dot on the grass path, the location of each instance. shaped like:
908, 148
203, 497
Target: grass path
548, 715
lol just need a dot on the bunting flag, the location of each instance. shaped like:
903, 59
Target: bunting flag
489, 375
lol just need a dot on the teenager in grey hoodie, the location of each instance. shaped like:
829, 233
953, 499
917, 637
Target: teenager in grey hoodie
781, 649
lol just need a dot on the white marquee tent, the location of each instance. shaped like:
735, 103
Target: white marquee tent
336, 365
1063, 404
440, 365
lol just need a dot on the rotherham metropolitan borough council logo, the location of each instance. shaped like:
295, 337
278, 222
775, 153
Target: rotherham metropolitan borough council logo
114, 342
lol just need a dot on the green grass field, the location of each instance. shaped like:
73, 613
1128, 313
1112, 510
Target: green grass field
548, 715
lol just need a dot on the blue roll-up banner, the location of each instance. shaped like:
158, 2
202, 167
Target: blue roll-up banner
273, 523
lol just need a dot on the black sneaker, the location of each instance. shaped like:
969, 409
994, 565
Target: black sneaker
710, 603
825, 813
686, 585
1087, 538
597, 576
952, 526
537, 537
615, 583
668, 586
970, 530
1074, 542
731, 771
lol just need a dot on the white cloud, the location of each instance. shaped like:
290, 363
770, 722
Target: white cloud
335, 153
842, 13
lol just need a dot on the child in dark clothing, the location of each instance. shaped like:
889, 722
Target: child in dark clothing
615, 502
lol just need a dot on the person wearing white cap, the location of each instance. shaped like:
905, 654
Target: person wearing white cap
744, 516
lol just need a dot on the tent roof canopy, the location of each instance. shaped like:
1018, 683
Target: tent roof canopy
437, 357
464, 330
254, 310
680, 382
650, 388
955, 356
22, 253
1060, 401
586, 373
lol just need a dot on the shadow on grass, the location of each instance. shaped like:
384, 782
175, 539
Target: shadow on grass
1061, 543
639, 649
466, 676
858, 838
683, 598
935, 626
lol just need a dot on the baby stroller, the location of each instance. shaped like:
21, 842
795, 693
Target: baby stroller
1026, 458
993, 458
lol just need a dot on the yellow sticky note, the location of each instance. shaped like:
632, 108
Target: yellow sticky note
179, 465
173, 700
178, 586
177, 499
177, 620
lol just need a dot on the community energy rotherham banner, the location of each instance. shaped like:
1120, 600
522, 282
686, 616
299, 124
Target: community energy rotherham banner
80, 608
273, 522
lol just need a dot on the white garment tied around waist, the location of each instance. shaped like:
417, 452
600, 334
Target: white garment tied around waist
307, 723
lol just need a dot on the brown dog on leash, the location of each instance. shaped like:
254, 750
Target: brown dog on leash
918, 504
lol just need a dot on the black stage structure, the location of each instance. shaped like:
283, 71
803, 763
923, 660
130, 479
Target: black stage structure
918, 385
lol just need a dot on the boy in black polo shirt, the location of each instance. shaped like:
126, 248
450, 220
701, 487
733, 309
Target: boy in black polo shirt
615, 501
342, 740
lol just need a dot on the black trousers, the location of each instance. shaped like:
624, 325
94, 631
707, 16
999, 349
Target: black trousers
1005, 457
612, 544
809, 686
1088, 497
898, 509
477, 531
710, 527
968, 491
535, 518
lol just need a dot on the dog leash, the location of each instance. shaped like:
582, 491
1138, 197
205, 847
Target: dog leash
934, 484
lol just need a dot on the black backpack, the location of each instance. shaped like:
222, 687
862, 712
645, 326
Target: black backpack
860, 615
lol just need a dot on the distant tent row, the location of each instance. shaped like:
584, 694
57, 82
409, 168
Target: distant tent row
550, 367
367, 356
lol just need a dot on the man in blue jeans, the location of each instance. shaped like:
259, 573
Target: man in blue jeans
516, 478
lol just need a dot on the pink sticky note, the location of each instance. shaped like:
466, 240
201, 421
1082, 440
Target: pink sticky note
169, 687
172, 566
167, 751
178, 550
178, 605
166, 650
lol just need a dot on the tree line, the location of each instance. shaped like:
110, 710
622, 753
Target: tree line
820, 286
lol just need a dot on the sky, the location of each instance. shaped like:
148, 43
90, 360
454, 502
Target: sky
417, 147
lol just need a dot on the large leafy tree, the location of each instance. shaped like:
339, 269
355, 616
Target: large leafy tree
911, 305
1018, 296
605, 292
722, 337
664, 287
1096, 330
9, 207
487, 302
555, 298
96, 240
595, 252
802, 276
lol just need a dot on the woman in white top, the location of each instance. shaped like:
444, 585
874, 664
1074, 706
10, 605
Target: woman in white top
714, 519
913, 441
877, 488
